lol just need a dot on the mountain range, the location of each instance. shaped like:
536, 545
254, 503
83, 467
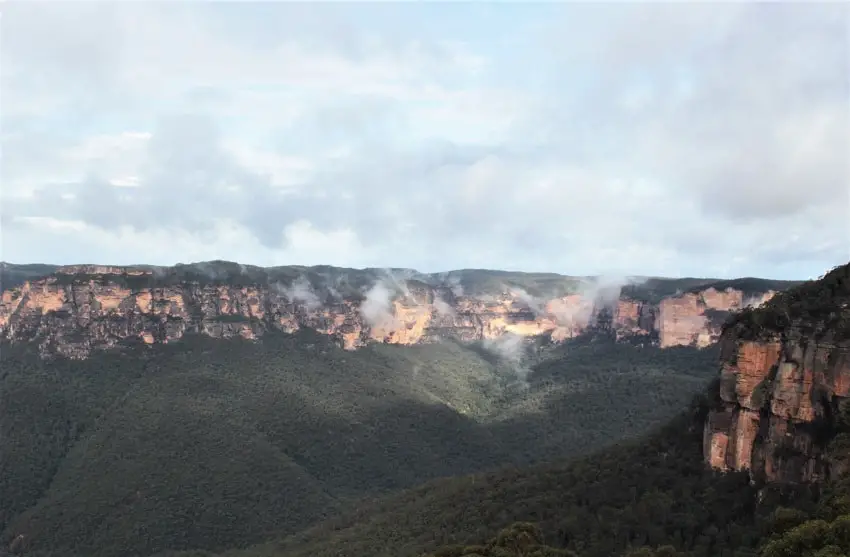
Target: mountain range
80, 308
223, 409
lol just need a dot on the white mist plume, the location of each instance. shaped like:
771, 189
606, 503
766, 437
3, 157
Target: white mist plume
207, 269
302, 292
398, 281
536, 305
757, 300
455, 286
450, 281
596, 293
443, 308
377, 308
511, 348
571, 314
593, 294
335, 294
605, 290
334, 284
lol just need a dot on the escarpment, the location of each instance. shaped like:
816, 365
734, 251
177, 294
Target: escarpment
82, 308
785, 376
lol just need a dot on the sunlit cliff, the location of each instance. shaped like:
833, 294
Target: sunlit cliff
784, 380
79, 309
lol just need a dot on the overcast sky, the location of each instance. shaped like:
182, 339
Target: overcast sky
707, 140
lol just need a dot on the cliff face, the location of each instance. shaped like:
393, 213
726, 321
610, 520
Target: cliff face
784, 377
79, 309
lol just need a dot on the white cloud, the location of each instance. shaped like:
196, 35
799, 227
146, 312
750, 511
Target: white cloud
349, 135
377, 308
281, 170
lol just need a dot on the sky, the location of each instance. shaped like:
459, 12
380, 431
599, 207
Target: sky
612, 138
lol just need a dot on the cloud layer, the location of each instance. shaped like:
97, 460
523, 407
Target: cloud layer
539, 137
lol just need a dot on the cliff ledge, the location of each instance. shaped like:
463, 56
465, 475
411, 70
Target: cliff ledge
82, 308
780, 409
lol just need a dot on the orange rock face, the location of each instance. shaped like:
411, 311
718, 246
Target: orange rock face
82, 308
774, 392
686, 319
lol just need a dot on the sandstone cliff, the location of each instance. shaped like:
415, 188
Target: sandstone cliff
78, 309
784, 377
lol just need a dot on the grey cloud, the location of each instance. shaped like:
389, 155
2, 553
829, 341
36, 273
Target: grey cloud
361, 121
188, 181
746, 137
739, 112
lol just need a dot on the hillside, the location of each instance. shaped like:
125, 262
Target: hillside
213, 443
649, 492
217, 405
78, 309
657, 495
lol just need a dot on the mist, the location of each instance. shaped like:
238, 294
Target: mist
377, 308
510, 347
444, 309
301, 291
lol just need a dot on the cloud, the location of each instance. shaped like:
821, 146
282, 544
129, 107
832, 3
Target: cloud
558, 139
595, 294
377, 308
302, 292
510, 347
534, 304
443, 308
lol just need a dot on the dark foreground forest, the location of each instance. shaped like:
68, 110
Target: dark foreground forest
213, 444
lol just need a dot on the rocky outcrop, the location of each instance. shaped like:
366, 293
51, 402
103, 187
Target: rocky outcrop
82, 308
784, 376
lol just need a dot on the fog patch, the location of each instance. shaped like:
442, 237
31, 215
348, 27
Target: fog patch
160, 272
451, 281
301, 291
758, 300
536, 305
456, 287
595, 294
444, 309
510, 348
208, 270
571, 314
336, 285
377, 308
333, 292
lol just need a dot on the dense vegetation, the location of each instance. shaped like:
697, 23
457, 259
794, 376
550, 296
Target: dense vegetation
653, 290
212, 444
521, 539
648, 497
824, 531
651, 497
815, 308
12, 275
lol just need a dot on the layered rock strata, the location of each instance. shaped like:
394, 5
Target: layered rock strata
778, 402
79, 309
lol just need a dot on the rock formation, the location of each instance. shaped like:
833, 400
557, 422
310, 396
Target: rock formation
78, 309
784, 376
